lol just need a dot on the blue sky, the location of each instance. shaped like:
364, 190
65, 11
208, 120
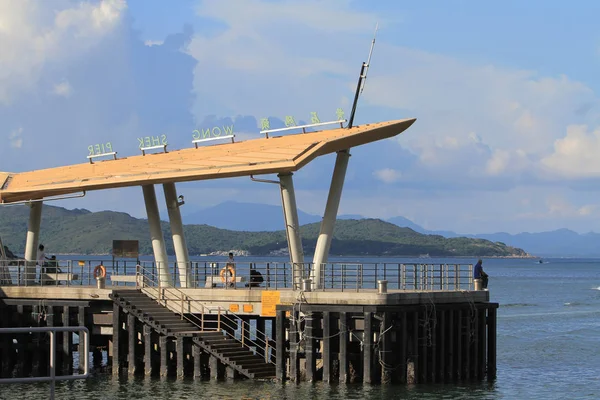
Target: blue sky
505, 94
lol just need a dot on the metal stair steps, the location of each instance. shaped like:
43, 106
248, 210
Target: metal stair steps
226, 348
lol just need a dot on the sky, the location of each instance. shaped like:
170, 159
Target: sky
507, 136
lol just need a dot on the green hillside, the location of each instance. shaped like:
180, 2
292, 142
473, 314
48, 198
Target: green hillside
83, 232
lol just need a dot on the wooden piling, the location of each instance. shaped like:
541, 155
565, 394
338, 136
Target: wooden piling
67, 343
385, 356
327, 341
294, 339
343, 353
280, 355
311, 320
180, 357
81, 352
368, 348
164, 360
148, 350
491, 343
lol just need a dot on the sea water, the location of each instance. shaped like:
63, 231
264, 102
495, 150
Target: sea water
548, 348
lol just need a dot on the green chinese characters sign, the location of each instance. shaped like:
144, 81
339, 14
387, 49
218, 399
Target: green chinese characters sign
290, 121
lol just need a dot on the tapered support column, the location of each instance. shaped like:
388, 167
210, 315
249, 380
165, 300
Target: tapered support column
31, 244
156, 235
331, 210
292, 227
181, 250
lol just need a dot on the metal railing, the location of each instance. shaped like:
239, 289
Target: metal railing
84, 341
338, 276
197, 314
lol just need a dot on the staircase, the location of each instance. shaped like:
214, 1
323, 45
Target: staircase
216, 342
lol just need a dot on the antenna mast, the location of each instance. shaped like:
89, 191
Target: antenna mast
362, 78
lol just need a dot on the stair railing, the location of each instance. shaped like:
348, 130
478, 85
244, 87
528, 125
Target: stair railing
180, 303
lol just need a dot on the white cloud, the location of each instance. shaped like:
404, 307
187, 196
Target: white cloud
63, 89
153, 42
16, 138
474, 121
388, 175
575, 155
34, 34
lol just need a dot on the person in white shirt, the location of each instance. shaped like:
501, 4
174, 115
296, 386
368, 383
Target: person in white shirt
41, 259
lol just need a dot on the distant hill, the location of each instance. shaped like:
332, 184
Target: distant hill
84, 232
237, 216
253, 217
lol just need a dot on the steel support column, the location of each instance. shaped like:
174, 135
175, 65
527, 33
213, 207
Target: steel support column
292, 227
331, 210
31, 244
156, 235
181, 250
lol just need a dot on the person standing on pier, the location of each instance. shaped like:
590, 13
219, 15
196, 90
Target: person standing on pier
41, 259
479, 273
230, 267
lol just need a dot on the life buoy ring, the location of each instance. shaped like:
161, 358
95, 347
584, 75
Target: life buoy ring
228, 268
99, 272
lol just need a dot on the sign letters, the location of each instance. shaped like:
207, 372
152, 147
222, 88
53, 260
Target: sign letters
149, 141
100, 148
215, 132
290, 121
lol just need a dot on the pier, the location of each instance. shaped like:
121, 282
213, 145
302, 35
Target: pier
371, 323
336, 322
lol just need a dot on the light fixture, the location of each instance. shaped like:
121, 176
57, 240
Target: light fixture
180, 201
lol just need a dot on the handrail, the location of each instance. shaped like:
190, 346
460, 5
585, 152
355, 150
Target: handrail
83, 340
265, 275
225, 317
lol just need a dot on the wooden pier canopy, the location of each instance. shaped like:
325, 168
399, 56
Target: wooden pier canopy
282, 154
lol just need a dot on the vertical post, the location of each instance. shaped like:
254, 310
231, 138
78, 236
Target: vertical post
292, 227
52, 362
132, 343
461, 332
415, 346
403, 339
310, 346
67, 344
147, 350
442, 338
343, 337
81, 347
156, 235
261, 337
482, 344
179, 244
327, 334
196, 354
368, 348
280, 345
180, 357
163, 356
213, 363
491, 343
386, 348
451, 354
35, 357
294, 348
31, 244
328, 222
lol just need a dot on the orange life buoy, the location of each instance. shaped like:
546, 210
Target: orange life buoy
99, 272
228, 268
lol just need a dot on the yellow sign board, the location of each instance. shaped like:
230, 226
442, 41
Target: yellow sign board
234, 307
269, 301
